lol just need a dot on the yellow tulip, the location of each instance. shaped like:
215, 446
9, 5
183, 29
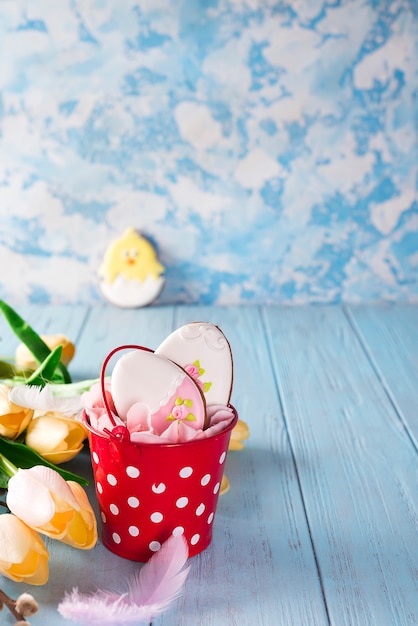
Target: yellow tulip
60, 509
24, 357
82, 530
225, 486
23, 555
55, 437
13, 418
238, 435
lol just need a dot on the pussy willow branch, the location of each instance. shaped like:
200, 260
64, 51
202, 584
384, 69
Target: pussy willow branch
11, 605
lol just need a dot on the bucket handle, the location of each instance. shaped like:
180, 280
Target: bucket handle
103, 370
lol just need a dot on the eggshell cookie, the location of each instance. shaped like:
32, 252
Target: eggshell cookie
203, 351
130, 293
158, 389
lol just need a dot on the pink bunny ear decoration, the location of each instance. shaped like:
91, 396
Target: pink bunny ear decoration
151, 591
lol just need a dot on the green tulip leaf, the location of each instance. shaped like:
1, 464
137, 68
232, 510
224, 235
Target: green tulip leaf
31, 339
7, 370
24, 457
46, 370
10, 371
4, 480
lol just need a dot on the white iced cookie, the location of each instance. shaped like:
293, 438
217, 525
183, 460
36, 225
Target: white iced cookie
203, 351
150, 392
130, 293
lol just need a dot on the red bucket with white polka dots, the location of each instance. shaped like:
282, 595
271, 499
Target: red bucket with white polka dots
147, 492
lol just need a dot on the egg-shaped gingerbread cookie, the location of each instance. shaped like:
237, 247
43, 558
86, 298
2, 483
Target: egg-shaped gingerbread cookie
151, 388
202, 349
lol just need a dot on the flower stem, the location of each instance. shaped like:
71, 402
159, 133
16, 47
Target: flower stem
7, 466
73, 389
11, 605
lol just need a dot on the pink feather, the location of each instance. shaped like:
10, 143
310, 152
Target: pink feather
150, 591
160, 581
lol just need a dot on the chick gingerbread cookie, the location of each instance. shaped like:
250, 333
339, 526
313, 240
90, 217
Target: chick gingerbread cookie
202, 349
131, 274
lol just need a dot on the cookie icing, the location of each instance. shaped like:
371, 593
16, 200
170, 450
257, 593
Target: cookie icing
131, 274
161, 387
203, 351
131, 293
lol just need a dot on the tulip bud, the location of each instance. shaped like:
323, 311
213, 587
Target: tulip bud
55, 437
13, 418
61, 509
23, 555
25, 359
82, 530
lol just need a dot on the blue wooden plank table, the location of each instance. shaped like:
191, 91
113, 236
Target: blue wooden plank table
320, 524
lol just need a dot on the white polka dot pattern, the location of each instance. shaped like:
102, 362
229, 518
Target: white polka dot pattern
186, 472
200, 509
160, 488
190, 526
114, 509
154, 496
111, 480
132, 472
157, 517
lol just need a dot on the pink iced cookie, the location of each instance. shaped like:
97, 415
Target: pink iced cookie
203, 351
150, 392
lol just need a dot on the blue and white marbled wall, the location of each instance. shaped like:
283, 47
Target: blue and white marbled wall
268, 149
